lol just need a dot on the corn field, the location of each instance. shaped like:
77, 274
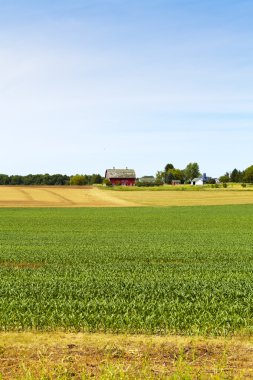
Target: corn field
177, 270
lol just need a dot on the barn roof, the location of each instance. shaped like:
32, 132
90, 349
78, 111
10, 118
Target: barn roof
120, 173
197, 179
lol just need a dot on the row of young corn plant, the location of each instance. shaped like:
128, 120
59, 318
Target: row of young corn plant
182, 270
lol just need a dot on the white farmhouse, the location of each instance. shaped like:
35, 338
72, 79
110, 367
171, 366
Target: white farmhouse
197, 181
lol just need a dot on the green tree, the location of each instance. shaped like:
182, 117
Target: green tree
172, 174
4, 179
95, 178
160, 176
16, 180
168, 167
191, 171
78, 180
225, 178
107, 182
248, 174
236, 176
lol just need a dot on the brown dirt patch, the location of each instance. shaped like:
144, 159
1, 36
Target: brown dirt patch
20, 265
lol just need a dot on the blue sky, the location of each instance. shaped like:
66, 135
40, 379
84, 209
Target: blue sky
88, 85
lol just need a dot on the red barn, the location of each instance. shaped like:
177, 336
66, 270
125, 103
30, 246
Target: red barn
121, 177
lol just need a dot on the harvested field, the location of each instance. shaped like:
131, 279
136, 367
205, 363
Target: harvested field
186, 198
105, 356
53, 196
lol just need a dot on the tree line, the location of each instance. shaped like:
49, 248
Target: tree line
51, 179
169, 174
191, 171
238, 176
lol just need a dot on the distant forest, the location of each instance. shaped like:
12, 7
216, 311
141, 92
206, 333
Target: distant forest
167, 175
52, 180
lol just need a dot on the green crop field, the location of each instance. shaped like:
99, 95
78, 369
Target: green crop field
180, 270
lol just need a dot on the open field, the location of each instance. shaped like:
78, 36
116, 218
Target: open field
185, 198
46, 196
76, 282
53, 196
179, 270
33, 356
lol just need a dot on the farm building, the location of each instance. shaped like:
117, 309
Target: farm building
121, 177
200, 181
197, 181
175, 182
147, 179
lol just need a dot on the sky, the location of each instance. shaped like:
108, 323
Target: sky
87, 85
